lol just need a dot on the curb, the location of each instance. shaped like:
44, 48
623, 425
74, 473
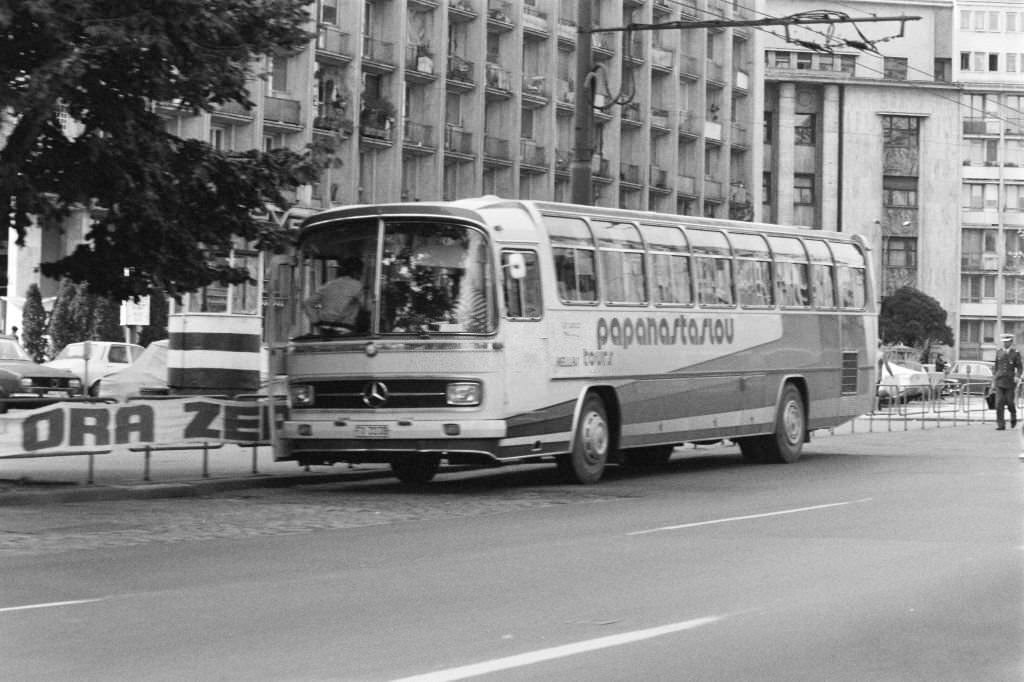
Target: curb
143, 491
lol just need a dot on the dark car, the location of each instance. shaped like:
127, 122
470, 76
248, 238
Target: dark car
29, 384
970, 376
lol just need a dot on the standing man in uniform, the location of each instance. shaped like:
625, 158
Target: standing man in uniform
1005, 374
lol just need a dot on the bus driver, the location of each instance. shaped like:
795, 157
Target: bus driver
339, 301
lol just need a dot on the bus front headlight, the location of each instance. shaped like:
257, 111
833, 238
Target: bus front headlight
302, 395
464, 393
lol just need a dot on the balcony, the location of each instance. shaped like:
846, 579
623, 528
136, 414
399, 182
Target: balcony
740, 135
535, 23
419, 64
658, 178
332, 45
741, 81
535, 91
460, 74
659, 120
329, 123
713, 131
532, 157
629, 173
565, 95
688, 123
715, 72
461, 11
499, 16
632, 115
499, 82
233, 113
635, 55
378, 55
1014, 126
662, 59
600, 169
458, 143
602, 45
689, 68
566, 31
281, 110
713, 190
687, 9
686, 185
497, 151
563, 161
418, 138
424, 5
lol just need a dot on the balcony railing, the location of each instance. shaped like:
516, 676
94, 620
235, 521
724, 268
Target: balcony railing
498, 78
659, 117
567, 30
713, 189
532, 153
457, 140
418, 58
629, 172
496, 148
535, 85
599, 167
534, 20
282, 110
460, 69
662, 57
982, 126
418, 134
378, 51
686, 185
740, 136
659, 177
563, 160
688, 122
332, 41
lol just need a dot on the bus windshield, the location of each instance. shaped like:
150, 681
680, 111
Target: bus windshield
400, 276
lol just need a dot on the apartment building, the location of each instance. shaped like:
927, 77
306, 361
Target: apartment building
988, 45
862, 135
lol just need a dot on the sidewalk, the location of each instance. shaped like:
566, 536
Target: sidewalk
124, 473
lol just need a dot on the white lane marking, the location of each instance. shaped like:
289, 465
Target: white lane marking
750, 516
531, 657
26, 607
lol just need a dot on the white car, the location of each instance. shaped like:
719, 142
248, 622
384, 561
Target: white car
90, 361
902, 382
146, 376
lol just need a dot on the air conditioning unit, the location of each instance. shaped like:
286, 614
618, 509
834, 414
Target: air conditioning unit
990, 261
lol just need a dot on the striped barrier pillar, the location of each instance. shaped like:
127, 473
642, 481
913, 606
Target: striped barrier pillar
213, 354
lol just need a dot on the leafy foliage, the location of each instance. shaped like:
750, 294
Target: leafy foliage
63, 326
33, 320
912, 317
161, 204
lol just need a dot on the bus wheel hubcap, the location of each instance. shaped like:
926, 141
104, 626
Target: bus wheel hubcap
595, 438
792, 422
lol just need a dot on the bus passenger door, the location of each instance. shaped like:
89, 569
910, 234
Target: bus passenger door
525, 332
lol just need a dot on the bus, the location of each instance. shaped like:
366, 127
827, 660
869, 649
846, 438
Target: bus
496, 331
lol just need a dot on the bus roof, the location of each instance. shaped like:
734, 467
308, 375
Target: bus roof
471, 208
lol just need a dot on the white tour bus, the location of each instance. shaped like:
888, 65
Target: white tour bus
493, 331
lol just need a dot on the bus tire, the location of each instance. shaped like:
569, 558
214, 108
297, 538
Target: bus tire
415, 470
590, 448
787, 443
655, 455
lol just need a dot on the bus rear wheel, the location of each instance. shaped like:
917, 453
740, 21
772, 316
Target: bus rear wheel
415, 470
590, 448
787, 443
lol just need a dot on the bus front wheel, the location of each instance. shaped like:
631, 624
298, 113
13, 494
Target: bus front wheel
415, 470
585, 463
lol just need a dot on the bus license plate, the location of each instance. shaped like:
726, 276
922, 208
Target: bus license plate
372, 431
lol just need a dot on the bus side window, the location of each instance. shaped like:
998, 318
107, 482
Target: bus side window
575, 271
522, 296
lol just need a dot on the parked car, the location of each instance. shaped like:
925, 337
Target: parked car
146, 376
104, 358
900, 382
970, 376
30, 384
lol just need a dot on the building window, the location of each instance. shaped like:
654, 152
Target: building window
805, 133
329, 12
803, 61
993, 21
965, 61
780, 59
769, 120
766, 188
977, 196
993, 61
895, 68
278, 73
978, 249
848, 63
803, 189
1013, 154
1014, 197
979, 61
1011, 22
217, 137
901, 252
943, 70
965, 19
899, 192
1013, 289
977, 288
979, 21
981, 152
1011, 62
977, 331
900, 132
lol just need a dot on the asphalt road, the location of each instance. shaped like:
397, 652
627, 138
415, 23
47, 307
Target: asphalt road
889, 556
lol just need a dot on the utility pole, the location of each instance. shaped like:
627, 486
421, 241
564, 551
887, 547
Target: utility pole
582, 174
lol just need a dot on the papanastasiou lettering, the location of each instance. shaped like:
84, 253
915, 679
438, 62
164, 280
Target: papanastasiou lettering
665, 331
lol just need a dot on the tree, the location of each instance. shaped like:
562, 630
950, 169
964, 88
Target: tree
63, 318
158, 314
161, 204
106, 320
912, 317
33, 321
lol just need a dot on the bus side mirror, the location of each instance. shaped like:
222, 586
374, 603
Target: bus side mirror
516, 265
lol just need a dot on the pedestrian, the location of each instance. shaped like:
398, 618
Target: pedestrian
940, 364
338, 303
1006, 372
